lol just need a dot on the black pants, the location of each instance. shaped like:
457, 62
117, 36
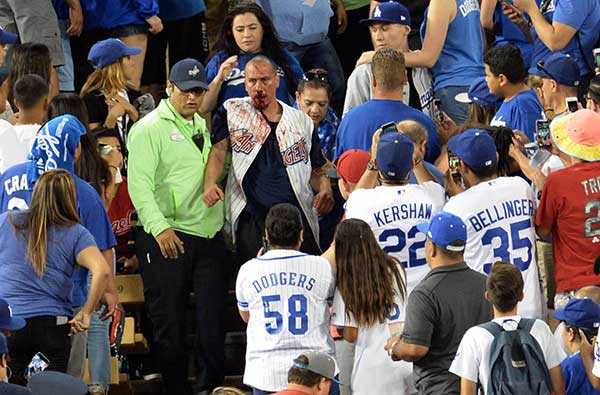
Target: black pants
354, 41
186, 38
41, 334
250, 232
167, 286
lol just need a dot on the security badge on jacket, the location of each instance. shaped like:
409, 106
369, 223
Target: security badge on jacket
242, 141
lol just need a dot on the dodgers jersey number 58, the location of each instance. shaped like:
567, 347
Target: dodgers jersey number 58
499, 215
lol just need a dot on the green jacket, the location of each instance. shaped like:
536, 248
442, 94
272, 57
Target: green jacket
166, 174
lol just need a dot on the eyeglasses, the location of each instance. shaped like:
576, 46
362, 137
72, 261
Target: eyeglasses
540, 66
320, 75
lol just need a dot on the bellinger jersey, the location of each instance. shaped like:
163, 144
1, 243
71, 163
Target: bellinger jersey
499, 215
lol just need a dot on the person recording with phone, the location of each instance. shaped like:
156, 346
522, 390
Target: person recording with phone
6, 373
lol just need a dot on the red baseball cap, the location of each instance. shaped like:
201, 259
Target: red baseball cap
352, 164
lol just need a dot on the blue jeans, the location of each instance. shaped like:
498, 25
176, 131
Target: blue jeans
66, 72
323, 55
334, 390
98, 348
455, 110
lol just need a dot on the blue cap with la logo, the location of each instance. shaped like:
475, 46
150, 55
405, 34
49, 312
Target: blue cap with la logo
389, 12
188, 74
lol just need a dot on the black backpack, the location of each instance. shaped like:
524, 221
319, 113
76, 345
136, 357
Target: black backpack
517, 364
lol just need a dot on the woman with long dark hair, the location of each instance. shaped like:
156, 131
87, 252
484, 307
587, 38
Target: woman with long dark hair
369, 305
247, 31
39, 251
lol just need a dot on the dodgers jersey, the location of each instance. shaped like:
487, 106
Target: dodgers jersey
393, 214
373, 370
499, 215
286, 293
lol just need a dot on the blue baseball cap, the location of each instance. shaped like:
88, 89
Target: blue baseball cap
7, 38
389, 12
445, 228
106, 52
3, 344
475, 147
56, 383
7, 321
479, 93
559, 67
188, 74
583, 313
395, 154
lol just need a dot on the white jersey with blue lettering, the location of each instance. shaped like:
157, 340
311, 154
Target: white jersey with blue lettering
393, 213
286, 293
500, 219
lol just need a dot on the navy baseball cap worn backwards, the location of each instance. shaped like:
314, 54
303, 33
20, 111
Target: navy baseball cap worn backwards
389, 12
582, 313
188, 74
444, 229
395, 154
561, 68
106, 52
475, 147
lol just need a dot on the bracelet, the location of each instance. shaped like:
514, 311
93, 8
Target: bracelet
391, 350
114, 167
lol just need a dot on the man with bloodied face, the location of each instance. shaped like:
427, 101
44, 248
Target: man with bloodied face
276, 158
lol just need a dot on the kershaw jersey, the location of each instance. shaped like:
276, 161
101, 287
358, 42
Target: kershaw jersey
373, 370
393, 214
499, 215
286, 293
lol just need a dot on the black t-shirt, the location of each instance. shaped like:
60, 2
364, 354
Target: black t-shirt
97, 109
266, 183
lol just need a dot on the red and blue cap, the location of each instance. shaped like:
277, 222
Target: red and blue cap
444, 229
474, 147
395, 154
389, 12
582, 313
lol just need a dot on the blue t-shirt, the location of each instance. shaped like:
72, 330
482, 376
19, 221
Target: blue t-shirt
506, 32
30, 295
360, 123
583, 15
576, 381
15, 194
233, 86
435, 172
173, 10
461, 59
520, 113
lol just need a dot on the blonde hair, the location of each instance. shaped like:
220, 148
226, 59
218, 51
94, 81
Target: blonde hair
227, 391
110, 80
53, 203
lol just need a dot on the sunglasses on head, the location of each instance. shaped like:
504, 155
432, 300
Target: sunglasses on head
316, 75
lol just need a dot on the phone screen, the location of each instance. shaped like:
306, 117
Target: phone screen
542, 132
388, 127
572, 104
265, 245
437, 110
597, 56
38, 364
453, 162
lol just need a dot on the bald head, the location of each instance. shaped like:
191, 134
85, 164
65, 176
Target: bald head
262, 62
591, 292
414, 130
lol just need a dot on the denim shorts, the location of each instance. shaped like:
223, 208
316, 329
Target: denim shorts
128, 30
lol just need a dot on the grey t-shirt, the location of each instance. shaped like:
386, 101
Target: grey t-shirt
445, 304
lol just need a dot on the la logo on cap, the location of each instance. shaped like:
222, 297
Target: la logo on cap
377, 12
402, 18
193, 72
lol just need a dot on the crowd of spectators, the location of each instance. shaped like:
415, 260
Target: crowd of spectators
406, 192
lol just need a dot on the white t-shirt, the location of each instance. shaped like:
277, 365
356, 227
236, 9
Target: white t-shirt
12, 150
500, 219
472, 360
373, 370
286, 293
393, 214
26, 134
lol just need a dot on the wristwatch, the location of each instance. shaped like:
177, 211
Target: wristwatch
372, 166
